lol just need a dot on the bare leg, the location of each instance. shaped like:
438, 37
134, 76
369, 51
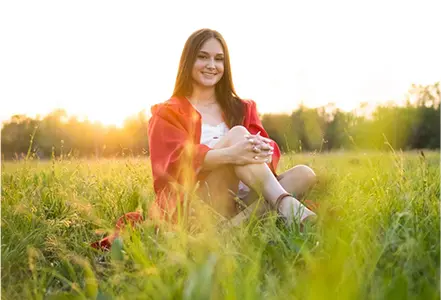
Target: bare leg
297, 180
215, 190
260, 177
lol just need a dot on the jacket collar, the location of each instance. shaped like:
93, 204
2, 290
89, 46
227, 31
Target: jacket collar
184, 106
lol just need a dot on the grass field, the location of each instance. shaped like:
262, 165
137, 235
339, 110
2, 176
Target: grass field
378, 235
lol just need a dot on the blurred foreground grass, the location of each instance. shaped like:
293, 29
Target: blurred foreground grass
378, 235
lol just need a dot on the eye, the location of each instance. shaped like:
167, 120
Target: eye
219, 58
202, 56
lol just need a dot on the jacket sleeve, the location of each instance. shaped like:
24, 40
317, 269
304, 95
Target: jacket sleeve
174, 157
254, 126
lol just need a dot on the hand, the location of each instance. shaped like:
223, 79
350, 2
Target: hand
261, 145
249, 151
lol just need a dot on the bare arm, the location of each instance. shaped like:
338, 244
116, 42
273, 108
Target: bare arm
216, 158
245, 151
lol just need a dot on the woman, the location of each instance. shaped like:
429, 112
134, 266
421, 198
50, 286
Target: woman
206, 139
206, 136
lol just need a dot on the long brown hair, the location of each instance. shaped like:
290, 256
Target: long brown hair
229, 102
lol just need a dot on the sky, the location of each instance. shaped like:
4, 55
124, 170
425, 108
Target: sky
108, 60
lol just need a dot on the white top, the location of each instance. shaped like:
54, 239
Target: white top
211, 134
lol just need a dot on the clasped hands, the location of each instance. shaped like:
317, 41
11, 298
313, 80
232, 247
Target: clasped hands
261, 146
252, 149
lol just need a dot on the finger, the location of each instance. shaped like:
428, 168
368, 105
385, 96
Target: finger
266, 140
257, 137
256, 149
265, 155
252, 141
252, 136
260, 138
249, 134
258, 160
249, 147
266, 147
267, 152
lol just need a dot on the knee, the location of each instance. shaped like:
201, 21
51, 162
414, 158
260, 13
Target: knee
238, 131
308, 174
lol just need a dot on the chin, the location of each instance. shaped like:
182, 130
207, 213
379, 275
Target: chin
206, 83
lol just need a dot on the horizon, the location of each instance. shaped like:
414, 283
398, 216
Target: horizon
364, 109
118, 61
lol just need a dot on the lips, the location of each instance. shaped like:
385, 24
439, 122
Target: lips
209, 74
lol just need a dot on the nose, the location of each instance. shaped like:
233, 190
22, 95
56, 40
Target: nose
210, 64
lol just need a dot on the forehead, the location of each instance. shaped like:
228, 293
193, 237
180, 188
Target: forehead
212, 46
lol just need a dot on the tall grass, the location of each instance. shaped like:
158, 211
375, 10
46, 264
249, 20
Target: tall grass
378, 235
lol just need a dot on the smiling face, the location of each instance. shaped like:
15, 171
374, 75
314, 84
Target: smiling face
208, 68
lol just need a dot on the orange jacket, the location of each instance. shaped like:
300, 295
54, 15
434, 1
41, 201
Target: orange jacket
176, 153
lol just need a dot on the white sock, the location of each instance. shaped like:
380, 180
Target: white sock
293, 210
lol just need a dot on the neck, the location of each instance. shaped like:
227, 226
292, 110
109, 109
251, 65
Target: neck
202, 95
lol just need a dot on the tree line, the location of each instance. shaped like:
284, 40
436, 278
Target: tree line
415, 125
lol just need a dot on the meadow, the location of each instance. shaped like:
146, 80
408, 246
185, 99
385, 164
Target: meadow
378, 235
